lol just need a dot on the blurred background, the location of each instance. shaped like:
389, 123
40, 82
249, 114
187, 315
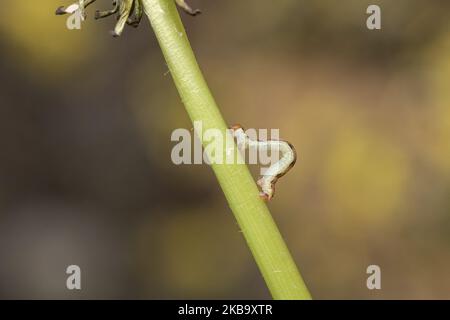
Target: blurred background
86, 176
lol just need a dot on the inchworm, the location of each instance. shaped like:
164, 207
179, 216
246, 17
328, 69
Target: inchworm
277, 169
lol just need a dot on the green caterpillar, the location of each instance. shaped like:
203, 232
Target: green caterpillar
129, 12
276, 170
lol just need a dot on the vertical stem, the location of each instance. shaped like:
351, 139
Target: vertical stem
260, 231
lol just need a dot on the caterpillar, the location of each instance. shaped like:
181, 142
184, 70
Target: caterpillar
276, 170
129, 12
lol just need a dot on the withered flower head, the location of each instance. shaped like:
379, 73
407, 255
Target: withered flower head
128, 12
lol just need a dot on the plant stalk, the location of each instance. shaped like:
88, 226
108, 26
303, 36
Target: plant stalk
259, 229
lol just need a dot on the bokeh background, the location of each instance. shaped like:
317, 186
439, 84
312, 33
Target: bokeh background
86, 176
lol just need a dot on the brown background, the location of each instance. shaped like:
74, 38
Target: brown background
86, 176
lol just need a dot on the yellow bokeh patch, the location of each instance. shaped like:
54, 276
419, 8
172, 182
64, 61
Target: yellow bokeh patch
365, 176
40, 39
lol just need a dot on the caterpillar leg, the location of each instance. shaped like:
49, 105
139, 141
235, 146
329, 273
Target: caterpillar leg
182, 4
267, 188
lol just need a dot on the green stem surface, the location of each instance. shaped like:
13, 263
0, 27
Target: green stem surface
260, 231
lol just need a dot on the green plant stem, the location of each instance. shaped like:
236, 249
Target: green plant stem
260, 231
